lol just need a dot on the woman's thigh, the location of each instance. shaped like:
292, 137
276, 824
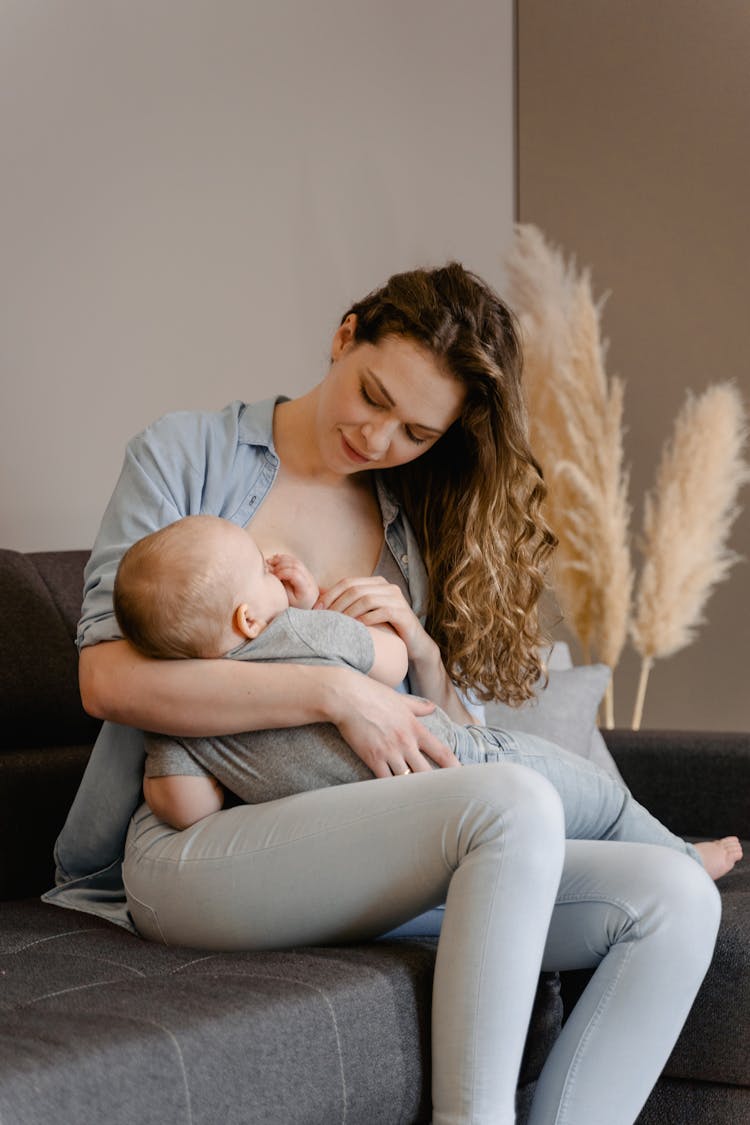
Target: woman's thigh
342, 863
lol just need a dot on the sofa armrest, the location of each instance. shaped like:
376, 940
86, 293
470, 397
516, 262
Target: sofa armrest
695, 782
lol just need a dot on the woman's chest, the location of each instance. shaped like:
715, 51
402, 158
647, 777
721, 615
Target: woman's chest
337, 532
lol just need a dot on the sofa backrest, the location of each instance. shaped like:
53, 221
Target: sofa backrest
45, 735
40, 601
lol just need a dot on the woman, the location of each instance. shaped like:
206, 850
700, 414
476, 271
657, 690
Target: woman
424, 387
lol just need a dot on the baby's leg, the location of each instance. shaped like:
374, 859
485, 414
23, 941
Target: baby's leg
596, 805
182, 800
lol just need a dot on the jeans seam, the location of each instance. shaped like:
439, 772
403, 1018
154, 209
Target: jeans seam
630, 910
501, 866
575, 1062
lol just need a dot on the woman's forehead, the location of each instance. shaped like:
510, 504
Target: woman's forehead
413, 382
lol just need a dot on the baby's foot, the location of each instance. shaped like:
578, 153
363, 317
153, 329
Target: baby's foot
720, 856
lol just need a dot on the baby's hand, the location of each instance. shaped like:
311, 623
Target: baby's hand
301, 587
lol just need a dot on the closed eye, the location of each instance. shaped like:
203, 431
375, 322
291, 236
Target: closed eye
368, 398
381, 406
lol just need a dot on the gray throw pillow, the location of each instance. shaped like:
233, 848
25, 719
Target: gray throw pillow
563, 712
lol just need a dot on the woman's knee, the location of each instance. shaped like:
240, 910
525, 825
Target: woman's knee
695, 892
685, 901
517, 805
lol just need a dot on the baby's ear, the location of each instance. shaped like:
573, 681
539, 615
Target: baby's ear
245, 623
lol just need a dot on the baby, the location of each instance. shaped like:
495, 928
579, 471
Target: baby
200, 588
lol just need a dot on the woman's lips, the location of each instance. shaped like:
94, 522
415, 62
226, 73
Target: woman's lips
352, 453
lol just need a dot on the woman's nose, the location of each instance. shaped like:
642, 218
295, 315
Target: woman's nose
378, 434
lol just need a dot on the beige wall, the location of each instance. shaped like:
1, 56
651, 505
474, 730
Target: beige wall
633, 154
192, 191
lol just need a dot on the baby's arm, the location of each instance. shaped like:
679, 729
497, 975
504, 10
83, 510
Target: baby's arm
391, 661
181, 800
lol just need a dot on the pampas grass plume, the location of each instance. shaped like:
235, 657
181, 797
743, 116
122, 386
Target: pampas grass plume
575, 421
687, 519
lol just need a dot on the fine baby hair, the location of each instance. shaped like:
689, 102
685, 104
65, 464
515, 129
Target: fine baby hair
167, 571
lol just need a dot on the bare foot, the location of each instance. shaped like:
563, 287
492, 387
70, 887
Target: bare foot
720, 856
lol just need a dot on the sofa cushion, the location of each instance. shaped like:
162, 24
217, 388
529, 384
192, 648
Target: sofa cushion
99, 1025
713, 1046
695, 1103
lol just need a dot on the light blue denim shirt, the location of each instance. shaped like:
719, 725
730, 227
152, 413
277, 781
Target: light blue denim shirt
221, 464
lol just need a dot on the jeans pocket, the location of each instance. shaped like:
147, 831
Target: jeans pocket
497, 742
144, 918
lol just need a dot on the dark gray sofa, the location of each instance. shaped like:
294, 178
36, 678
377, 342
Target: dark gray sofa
99, 1026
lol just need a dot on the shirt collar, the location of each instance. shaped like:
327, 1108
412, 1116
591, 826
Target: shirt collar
388, 504
256, 422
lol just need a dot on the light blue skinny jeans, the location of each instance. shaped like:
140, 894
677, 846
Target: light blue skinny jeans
354, 861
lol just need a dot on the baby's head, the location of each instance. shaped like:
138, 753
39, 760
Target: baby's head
196, 588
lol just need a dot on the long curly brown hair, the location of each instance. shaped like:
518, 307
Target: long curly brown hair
473, 498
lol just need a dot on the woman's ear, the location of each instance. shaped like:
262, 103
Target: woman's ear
245, 623
344, 336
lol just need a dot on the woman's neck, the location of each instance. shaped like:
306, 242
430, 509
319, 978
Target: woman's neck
294, 438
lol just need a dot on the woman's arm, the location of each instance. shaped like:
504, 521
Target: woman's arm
194, 697
429, 678
214, 697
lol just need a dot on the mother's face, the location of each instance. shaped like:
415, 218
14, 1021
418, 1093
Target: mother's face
382, 405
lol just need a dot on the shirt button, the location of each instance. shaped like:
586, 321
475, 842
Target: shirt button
405, 560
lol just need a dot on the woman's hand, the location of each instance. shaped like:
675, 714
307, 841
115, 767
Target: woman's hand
375, 601
382, 726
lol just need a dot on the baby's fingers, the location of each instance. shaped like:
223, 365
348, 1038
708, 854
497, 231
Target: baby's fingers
283, 563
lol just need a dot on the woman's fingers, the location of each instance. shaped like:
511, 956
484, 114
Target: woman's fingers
382, 728
373, 601
334, 592
370, 592
429, 744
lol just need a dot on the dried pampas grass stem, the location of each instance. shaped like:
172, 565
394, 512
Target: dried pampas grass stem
575, 419
687, 519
